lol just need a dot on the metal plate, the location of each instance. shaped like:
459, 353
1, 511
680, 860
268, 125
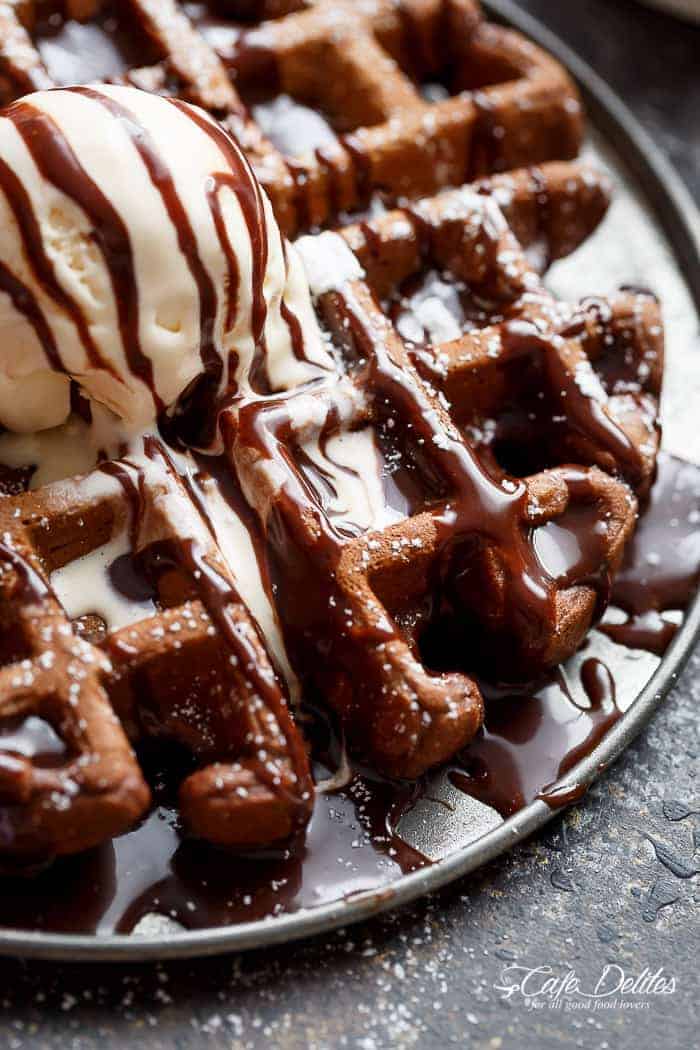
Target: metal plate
651, 237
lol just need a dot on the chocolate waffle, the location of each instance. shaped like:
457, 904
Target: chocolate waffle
465, 470
469, 546
340, 106
449, 497
190, 667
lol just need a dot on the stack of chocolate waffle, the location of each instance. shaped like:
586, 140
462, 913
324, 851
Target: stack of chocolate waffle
454, 494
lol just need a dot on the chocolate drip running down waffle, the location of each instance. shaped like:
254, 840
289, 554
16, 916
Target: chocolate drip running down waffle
449, 534
471, 541
338, 105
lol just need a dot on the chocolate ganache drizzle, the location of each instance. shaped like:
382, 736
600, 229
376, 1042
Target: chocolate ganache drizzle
531, 738
59, 165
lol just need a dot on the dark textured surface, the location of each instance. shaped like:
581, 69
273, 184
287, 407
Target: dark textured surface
650, 59
611, 882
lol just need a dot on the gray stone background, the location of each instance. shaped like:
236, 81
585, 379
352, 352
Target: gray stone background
610, 882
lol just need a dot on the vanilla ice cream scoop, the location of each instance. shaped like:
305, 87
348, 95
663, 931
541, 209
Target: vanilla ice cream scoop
138, 254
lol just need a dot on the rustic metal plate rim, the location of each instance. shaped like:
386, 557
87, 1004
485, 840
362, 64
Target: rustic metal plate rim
678, 216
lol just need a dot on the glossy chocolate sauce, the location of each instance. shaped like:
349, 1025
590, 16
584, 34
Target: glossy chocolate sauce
662, 562
60, 166
534, 735
216, 589
55, 159
162, 179
349, 847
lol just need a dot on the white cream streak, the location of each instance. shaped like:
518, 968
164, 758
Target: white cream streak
239, 554
83, 586
353, 467
233, 540
70, 449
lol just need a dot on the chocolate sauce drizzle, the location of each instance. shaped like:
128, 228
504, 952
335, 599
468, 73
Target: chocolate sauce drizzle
194, 418
534, 735
59, 165
163, 181
478, 504
242, 182
661, 568
25, 302
219, 596
583, 412
349, 847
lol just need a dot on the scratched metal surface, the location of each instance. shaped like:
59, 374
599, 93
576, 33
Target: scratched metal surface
612, 880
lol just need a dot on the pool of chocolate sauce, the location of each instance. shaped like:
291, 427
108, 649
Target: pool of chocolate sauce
533, 735
654, 580
349, 846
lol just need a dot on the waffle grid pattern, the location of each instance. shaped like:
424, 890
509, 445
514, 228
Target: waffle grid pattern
362, 64
581, 381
